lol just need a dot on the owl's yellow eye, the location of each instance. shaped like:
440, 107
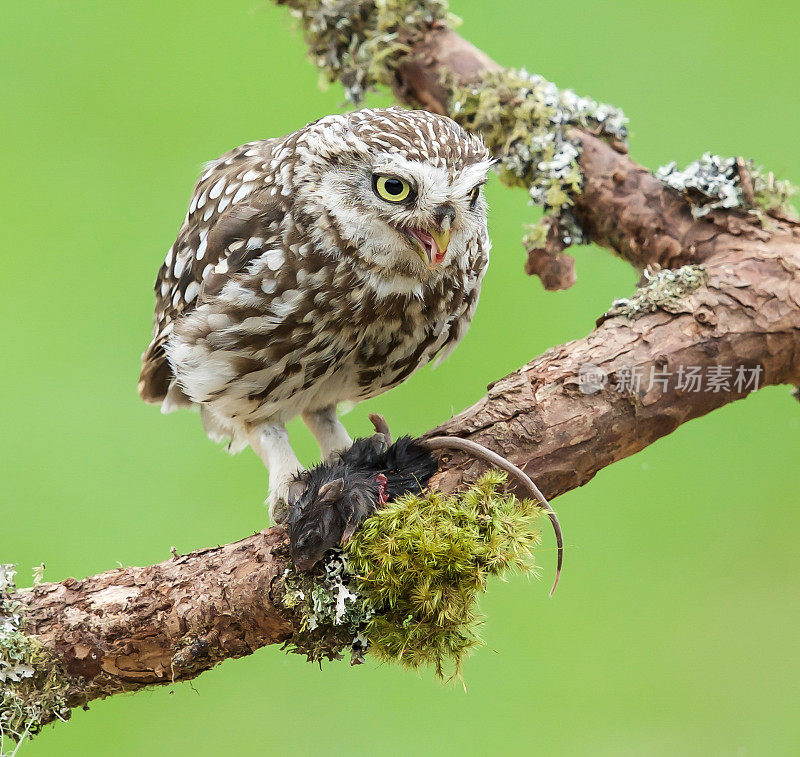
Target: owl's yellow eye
390, 188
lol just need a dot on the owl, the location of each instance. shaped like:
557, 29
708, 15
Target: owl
319, 268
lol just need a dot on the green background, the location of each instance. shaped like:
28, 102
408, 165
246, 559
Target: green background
674, 630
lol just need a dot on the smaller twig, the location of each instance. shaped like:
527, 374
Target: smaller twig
482, 453
555, 269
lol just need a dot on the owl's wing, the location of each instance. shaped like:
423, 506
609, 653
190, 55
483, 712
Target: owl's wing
234, 211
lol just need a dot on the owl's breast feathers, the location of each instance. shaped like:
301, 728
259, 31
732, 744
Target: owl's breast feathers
255, 313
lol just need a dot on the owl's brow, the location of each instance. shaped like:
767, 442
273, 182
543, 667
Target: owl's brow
472, 176
396, 162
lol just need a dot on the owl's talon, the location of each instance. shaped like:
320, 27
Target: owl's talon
284, 497
331, 457
380, 443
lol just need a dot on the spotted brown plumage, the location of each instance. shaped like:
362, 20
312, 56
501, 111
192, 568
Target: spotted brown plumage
317, 268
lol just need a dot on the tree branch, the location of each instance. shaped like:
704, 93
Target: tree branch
747, 316
134, 627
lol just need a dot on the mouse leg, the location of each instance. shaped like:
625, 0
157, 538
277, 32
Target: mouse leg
381, 427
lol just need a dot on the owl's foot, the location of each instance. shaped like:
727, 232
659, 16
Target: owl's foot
290, 481
270, 442
283, 497
329, 432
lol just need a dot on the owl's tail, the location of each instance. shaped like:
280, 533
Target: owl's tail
156, 374
157, 384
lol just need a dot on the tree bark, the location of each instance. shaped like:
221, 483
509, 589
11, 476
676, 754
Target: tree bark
134, 627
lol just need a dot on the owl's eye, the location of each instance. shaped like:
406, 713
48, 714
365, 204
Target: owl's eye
390, 188
473, 196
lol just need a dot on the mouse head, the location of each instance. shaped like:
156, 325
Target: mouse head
316, 524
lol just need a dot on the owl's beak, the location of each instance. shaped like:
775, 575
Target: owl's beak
442, 239
432, 243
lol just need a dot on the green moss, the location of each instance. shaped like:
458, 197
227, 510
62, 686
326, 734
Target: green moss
32, 690
423, 560
772, 195
665, 290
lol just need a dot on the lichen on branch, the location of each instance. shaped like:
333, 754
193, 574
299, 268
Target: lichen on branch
714, 182
33, 689
406, 586
361, 42
332, 614
665, 290
524, 120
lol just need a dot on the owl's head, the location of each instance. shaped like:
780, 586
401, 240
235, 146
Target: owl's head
401, 188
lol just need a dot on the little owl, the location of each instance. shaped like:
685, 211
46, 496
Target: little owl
322, 267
